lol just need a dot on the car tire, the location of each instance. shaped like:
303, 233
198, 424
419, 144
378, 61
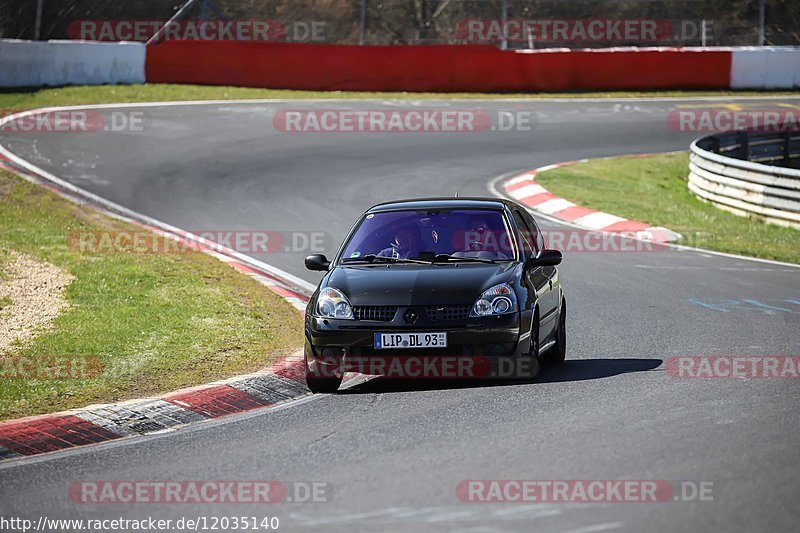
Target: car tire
531, 366
534, 349
317, 383
558, 353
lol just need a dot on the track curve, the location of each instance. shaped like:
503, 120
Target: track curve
395, 452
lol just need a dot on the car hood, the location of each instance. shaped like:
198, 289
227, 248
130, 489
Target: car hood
401, 285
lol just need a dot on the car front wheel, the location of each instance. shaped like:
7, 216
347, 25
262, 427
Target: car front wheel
528, 364
558, 353
321, 381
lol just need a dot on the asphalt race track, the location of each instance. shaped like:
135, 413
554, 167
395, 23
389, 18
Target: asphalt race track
394, 452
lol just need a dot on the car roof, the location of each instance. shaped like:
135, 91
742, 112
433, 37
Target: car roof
442, 202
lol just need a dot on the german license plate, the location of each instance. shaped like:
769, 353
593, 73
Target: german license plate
385, 341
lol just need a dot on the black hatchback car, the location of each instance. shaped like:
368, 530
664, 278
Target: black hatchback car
426, 280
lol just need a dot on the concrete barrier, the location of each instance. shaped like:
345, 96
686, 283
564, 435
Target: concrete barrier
446, 68
770, 67
453, 68
443, 68
54, 63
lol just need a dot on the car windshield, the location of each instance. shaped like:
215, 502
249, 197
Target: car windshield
451, 235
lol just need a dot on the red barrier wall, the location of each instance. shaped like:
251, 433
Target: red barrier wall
432, 68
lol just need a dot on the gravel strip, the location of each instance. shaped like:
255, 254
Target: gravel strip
36, 290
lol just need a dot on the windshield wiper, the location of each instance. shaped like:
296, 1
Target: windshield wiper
372, 258
447, 258
360, 259
403, 260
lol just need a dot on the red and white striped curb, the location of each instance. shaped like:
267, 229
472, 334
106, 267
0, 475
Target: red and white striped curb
100, 423
524, 189
277, 384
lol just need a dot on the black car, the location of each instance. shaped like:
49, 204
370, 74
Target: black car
431, 279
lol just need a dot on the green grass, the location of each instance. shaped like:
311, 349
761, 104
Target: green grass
653, 189
156, 321
19, 99
5, 301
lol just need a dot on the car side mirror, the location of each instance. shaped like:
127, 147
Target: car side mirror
317, 262
545, 258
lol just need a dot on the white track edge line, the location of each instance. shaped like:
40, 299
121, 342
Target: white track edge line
282, 274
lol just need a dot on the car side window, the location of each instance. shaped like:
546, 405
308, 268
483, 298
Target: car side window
539, 241
525, 234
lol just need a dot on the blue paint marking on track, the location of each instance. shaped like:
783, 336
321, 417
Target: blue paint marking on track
748, 304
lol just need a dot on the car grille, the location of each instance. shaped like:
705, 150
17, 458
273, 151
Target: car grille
377, 313
448, 312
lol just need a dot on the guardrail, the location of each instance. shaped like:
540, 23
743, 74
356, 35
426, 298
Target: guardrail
736, 172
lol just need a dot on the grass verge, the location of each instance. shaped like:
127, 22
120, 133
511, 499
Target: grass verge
654, 189
156, 321
21, 99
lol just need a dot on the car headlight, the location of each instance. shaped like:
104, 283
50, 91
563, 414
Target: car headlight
331, 303
499, 300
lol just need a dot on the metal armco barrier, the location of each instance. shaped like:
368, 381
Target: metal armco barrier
736, 172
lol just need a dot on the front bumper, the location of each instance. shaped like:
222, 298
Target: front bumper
332, 342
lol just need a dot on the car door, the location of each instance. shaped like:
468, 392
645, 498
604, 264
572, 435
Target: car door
552, 297
536, 278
